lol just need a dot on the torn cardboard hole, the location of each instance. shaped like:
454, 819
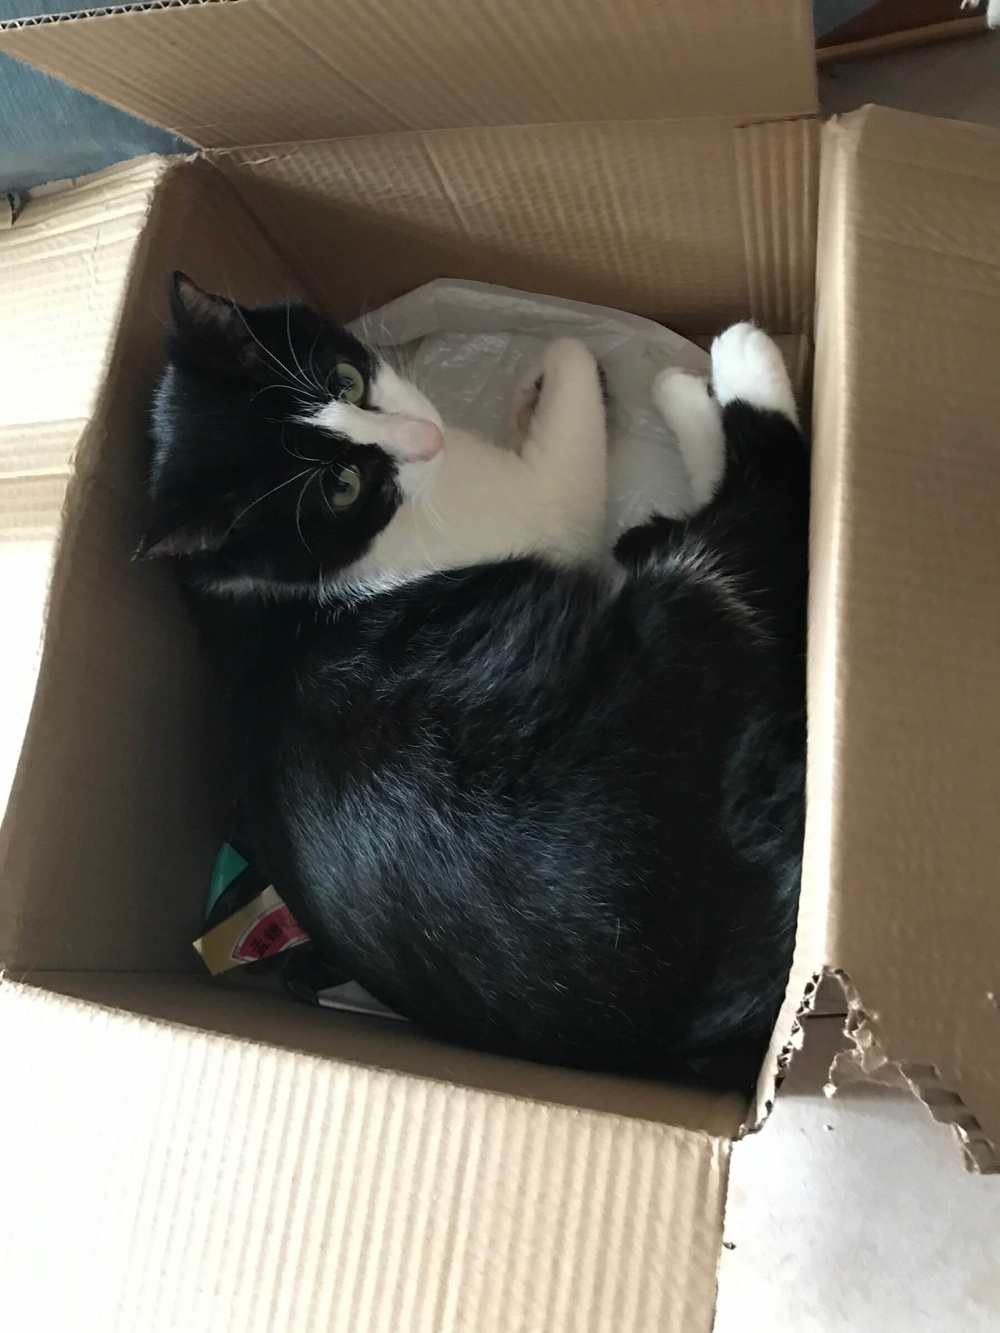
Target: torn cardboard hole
780, 1059
867, 1061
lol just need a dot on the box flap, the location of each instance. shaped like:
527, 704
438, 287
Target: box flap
248, 1009
63, 270
693, 223
267, 71
81, 329
216, 1186
904, 838
64, 266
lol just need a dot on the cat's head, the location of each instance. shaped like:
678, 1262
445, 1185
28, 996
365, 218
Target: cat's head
282, 446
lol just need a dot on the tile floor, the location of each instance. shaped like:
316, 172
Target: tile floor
853, 1214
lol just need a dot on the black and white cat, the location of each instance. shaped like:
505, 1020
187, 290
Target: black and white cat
414, 494
540, 808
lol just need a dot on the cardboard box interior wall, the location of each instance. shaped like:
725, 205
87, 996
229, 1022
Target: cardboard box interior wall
233, 1161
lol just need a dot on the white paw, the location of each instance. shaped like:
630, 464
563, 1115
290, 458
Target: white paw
568, 356
746, 365
683, 400
565, 363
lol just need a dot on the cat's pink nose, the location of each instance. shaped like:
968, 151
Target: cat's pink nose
418, 441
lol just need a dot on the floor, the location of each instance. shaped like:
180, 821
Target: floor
959, 80
853, 1214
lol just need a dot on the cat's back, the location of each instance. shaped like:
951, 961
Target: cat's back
527, 684
494, 756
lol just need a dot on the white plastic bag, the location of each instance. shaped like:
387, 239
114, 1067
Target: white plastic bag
468, 345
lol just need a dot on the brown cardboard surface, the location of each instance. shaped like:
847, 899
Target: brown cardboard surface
246, 1012
267, 71
67, 253
119, 724
904, 693
120, 727
233, 1161
694, 224
25, 568
176, 1180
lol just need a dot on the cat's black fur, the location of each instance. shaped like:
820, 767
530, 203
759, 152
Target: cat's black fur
535, 815
231, 461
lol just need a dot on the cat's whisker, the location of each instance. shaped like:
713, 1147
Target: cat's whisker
287, 482
432, 564
266, 389
439, 523
294, 453
303, 378
303, 458
312, 364
269, 354
298, 509
442, 529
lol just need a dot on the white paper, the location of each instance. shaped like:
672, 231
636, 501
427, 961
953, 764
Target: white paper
356, 1000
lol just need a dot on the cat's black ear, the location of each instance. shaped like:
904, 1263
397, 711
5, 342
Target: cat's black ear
192, 537
210, 332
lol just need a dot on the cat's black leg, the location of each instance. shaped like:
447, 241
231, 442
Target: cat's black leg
640, 546
758, 520
764, 445
751, 540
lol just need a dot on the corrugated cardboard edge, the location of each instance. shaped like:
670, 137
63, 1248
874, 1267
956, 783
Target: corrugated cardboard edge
867, 1061
826, 402
828, 407
218, 1185
842, 231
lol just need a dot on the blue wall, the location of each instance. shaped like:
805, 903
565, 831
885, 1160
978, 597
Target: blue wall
49, 131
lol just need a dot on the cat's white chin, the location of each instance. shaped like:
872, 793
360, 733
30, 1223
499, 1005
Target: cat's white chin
416, 476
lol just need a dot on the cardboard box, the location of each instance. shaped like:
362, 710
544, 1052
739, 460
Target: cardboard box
188, 1156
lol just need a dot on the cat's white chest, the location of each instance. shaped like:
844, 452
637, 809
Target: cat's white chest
481, 503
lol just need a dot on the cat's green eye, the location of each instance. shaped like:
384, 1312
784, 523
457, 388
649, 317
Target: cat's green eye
352, 383
348, 487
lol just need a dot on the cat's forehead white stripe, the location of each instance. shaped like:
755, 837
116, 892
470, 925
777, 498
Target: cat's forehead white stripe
345, 419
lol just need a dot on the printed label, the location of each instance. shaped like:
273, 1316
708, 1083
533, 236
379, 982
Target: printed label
261, 928
270, 933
